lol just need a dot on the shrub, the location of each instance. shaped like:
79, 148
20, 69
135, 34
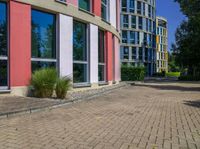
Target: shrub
62, 86
130, 73
173, 74
189, 78
159, 74
43, 82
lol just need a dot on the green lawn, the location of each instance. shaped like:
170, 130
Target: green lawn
173, 74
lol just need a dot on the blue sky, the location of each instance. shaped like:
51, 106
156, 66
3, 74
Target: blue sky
171, 11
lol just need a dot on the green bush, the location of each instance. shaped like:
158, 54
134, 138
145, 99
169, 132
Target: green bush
159, 74
43, 82
173, 74
62, 86
130, 73
189, 78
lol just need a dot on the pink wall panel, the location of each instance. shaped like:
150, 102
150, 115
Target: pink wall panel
109, 48
20, 44
96, 7
118, 14
117, 73
73, 2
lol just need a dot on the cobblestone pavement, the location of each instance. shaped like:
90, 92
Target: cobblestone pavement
127, 118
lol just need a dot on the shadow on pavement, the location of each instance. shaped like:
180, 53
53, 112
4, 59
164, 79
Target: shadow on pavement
192, 103
171, 87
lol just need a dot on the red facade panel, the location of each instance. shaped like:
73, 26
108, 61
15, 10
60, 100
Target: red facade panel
73, 2
109, 47
20, 44
96, 6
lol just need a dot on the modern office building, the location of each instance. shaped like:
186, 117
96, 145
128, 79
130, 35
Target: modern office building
80, 38
138, 32
162, 44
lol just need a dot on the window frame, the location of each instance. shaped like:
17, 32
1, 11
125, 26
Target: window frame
107, 6
87, 62
47, 60
104, 64
6, 57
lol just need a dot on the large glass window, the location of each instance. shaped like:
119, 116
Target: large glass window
3, 46
101, 56
125, 21
124, 37
84, 4
132, 6
43, 40
139, 6
80, 53
132, 37
125, 53
124, 5
133, 22
105, 9
140, 23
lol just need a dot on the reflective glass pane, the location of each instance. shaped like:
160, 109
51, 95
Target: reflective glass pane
84, 4
101, 48
80, 41
80, 73
101, 73
39, 65
3, 73
3, 30
43, 35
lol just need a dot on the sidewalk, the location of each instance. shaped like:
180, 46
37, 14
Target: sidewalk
11, 105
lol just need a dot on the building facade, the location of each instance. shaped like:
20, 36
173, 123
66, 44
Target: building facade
138, 33
162, 44
79, 38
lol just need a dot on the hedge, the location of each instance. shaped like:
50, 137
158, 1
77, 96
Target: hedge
189, 78
130, 73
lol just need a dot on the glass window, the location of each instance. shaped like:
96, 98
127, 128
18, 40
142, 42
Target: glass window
125, 53
84, 4
101, 56
124, 37
140, 23
124, 5
80, 53
134, 53
139, 5
3, 46
105, 9
43, 39
133, 22
132, 37
125, 21
132, 6
140, 53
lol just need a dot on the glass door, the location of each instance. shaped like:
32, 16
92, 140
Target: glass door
3, 47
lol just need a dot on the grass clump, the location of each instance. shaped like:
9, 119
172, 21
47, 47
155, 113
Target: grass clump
43, 82
62, 86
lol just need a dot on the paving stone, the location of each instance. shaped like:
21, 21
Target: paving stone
135, 117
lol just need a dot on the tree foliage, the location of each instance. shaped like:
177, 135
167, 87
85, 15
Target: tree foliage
187, 47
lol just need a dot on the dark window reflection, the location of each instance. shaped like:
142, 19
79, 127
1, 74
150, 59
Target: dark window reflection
36, 65
80, 73
79, 41
101, 72
84, 4
3, 72
3, 30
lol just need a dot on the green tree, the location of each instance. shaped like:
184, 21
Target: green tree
187, 47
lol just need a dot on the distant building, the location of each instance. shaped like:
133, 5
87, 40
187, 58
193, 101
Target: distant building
138, 32
162, 44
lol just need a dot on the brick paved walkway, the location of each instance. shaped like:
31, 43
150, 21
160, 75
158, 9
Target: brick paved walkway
128, 118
